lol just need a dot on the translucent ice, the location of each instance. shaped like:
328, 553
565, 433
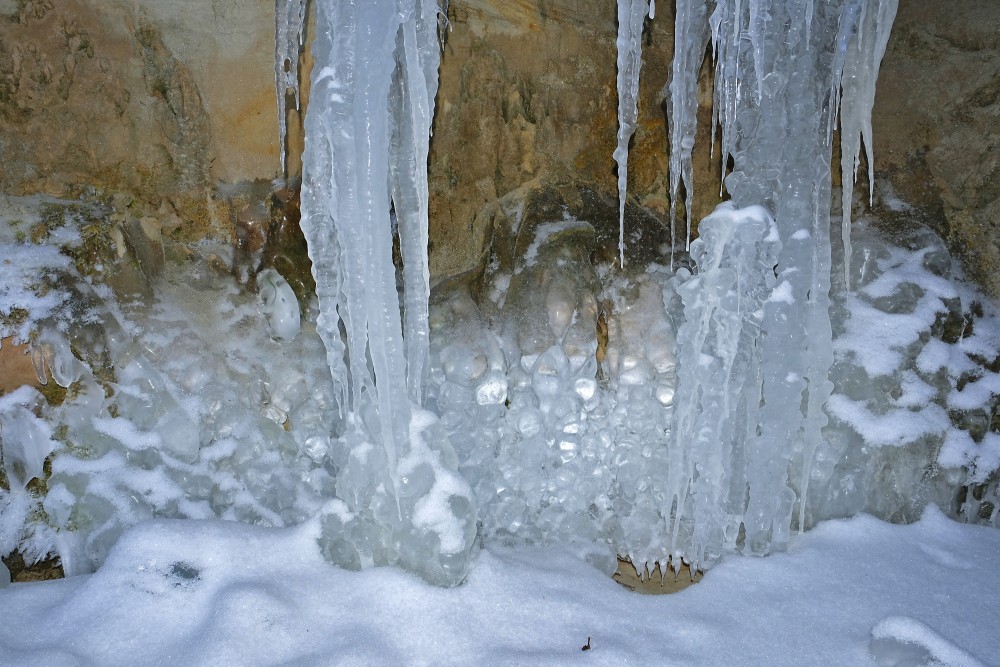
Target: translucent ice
278, 305
631, 15
289, 17
25, 440
711, 473
691, 32
366, 145
51, 354
861, 66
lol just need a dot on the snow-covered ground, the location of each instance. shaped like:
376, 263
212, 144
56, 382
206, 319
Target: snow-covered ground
223, 593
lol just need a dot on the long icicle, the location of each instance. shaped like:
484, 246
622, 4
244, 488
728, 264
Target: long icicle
289, 25
690, 40
861, 66
631, 15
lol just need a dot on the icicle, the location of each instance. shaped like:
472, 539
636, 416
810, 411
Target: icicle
412, 109
845, 34
407, 505
289, 18
862, 62
690, 39
725, 29
631, 15
775, 62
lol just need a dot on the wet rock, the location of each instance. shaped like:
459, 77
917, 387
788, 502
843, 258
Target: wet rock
936, 117
16, 368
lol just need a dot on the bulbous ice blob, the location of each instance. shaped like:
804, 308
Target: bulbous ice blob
560, 305
492, 390
585, 388
25, 440
51, 353
278, 305
665, 393
179, 434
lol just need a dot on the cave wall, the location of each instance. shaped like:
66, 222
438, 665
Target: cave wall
168, 99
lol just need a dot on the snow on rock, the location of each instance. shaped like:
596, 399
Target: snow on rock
898, 641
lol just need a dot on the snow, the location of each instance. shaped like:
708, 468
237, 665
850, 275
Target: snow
895, 427
27, 269
543, 233
212, 592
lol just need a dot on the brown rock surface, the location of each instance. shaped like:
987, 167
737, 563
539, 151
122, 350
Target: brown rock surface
528, 91
937, 124
16, 368
160, 98
166, 98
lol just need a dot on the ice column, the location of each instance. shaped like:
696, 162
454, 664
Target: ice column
404, 501
631, 15
412, 110
774, 101
777, 141
723, 308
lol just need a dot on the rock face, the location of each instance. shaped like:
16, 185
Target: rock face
510, 109
165, 99
937, 125
160, 99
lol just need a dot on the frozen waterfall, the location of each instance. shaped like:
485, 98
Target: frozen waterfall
755, 349
732, 464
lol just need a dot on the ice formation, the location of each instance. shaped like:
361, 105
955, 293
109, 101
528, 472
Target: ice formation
660, 414
279, 305
860, 70
631, 15
289, 18
714, 467
690, 37
367, 130
773, 99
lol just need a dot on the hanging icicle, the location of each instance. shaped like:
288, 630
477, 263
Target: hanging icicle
631, 15
367, 129
289, 24
691, 32
861, 66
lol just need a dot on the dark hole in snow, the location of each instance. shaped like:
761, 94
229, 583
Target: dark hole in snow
185, 571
